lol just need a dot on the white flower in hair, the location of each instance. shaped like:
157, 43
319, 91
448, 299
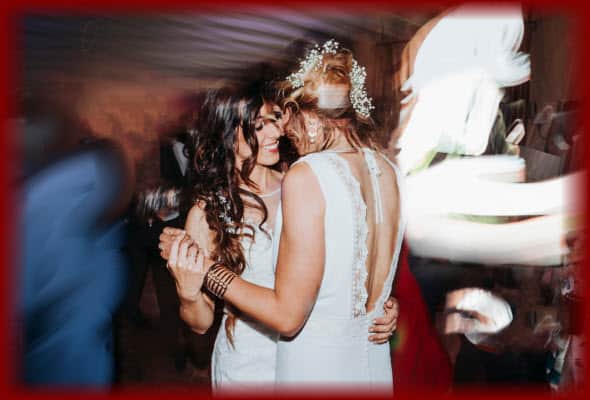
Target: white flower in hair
361, 103
224, 214
358, 95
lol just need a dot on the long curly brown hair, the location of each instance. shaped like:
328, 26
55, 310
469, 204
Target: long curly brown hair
215, 180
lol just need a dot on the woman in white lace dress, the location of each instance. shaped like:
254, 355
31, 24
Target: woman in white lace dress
341, 229
236, 196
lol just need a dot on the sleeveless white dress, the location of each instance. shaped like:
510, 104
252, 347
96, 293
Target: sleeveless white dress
251, 362
333, 349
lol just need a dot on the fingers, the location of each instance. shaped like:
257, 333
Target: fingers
380, 338
383, 327
183, 259
166, 238
200, 262
390, 303
389, 319
173, 258
164, 247
391, 307
383, 324
168, 230
178, 257
191, 256
381, 333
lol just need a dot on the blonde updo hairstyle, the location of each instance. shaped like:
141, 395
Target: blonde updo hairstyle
325, 94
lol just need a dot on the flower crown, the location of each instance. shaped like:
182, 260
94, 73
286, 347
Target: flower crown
361, 103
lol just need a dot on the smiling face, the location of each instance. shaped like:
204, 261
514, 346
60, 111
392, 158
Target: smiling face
268, 130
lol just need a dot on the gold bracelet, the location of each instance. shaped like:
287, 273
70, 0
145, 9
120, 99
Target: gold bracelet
218, 279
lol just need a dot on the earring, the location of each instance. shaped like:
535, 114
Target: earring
312, 131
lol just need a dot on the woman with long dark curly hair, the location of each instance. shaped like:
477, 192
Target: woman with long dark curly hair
235, 195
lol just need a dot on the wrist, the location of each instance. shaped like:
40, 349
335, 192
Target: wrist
218, 279
190, 300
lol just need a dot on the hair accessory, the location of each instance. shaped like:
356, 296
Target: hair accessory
225, 214
361, 103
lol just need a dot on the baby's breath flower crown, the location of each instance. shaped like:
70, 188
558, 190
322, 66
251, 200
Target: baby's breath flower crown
361, 103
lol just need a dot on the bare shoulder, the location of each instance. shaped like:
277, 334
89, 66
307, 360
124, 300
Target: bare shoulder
301, 187
297, 172
300, 177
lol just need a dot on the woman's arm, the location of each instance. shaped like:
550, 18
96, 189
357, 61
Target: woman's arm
300, 265
299, 271
196, 307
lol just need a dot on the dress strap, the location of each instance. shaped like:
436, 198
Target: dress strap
374, 171
401, 187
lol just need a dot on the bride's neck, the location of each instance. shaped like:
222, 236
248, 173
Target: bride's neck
262, 177
340, 141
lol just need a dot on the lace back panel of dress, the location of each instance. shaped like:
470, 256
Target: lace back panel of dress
359, 270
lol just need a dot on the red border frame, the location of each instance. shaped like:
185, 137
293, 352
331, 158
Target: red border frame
9, 78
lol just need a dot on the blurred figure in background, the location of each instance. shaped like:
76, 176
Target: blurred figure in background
155, 208
453, 76
72, 272
156, 204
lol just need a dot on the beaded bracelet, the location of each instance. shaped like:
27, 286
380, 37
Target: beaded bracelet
218, 279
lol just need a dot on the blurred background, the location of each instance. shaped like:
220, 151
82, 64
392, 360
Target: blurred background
133, 79
122, 74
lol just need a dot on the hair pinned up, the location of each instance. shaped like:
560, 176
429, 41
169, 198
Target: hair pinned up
327, 73
330, 84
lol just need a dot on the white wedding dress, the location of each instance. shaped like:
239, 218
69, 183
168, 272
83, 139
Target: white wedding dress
332, 349
251, 362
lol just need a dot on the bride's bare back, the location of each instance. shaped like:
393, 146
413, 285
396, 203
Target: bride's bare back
382, 220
